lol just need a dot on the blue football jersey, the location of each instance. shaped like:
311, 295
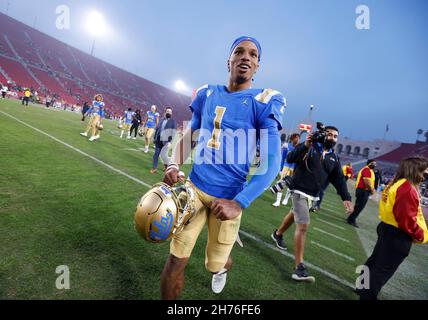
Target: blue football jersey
285, 152
151, 119
229, 124
128, 116
98, 108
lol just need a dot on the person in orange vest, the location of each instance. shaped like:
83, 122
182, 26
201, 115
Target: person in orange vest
26, 98
365, 188
402, 224
348, 172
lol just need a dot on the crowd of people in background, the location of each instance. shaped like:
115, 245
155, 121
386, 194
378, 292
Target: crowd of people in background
31, 95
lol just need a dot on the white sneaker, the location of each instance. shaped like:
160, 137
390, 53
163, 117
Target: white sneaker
219, 281
276, 204
84, 134
94, 138
134, 138
285, 202
146, 149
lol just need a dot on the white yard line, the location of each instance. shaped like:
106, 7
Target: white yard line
327, 209
333, 251
291, 256
79, 151
248, 235
331, 224
331, 205
332, 217
331, 235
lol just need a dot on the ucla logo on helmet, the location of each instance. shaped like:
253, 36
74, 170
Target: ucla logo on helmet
165, 191
161, 229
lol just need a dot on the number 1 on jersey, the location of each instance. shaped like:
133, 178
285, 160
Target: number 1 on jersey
214, 142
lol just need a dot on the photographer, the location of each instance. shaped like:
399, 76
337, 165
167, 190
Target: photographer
316, 163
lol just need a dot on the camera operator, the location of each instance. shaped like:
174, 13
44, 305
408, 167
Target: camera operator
316, 163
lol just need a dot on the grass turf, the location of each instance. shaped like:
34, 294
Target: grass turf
58, 207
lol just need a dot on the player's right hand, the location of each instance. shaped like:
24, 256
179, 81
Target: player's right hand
171, 176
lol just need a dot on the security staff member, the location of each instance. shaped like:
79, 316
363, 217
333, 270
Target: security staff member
365, 187
402, 224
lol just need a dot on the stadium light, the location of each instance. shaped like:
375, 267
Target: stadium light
181, 86
96, 26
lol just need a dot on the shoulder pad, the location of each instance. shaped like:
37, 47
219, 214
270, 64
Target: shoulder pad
267, 95
202, 88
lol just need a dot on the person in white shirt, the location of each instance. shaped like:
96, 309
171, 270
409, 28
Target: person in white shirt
4, 91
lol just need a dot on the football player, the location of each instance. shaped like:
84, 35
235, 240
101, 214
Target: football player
151, 122
287, 168
97, 114
127, 120
222, 191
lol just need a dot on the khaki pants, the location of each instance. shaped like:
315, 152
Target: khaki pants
149, 135
221, 234
93, 124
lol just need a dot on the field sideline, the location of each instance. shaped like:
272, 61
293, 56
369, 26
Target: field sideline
67, 201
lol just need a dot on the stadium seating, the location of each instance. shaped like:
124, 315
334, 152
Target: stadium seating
17, 72
3, 80
406, 150
75, 76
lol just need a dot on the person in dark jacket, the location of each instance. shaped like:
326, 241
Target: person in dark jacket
316, 164
85, 109
164, 134
136, 121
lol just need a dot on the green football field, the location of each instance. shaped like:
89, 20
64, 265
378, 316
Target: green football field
67, 201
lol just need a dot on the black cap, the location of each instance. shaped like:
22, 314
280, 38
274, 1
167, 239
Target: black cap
370, 161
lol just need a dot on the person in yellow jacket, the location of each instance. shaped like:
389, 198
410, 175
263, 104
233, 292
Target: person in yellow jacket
402, 224
348, 172
27, 96
365, 187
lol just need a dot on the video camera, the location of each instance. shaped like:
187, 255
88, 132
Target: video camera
281, 184
320, 135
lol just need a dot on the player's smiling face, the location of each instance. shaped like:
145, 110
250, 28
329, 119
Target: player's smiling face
244, 62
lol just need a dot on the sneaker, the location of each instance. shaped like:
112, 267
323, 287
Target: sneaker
94, 138
285, 202
276, 204
279, 241
314, 209
219, 281
84, 134
301, 274
146, 149
134, 138
352, 223
153, 170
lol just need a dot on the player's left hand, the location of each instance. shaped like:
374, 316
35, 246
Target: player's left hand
225, 209
349, 206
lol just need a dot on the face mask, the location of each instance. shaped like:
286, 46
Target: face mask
329, 144
168, 116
